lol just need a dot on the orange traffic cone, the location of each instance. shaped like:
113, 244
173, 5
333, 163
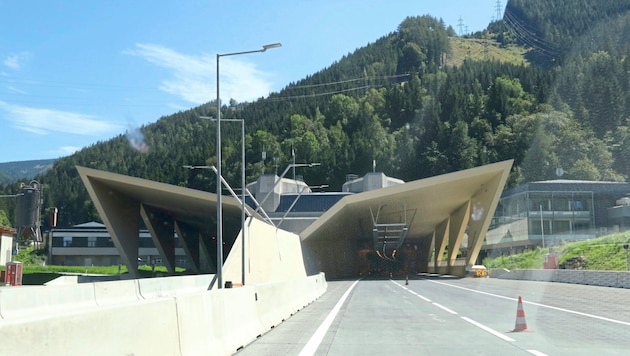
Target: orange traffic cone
521, 324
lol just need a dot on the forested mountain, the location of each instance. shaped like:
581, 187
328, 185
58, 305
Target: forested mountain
402, 102
12, 171
552, 28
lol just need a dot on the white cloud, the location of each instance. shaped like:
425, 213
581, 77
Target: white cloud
45, 121
194, 77
15, 90
15, 61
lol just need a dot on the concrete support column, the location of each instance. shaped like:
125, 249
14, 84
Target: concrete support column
441, 233
162, 229
458, 223
483, 206
189, 239
121, 215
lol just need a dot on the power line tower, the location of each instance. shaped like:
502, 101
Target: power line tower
460, 24
498, 7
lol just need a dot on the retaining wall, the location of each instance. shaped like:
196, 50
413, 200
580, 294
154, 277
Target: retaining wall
598, 278
160, 316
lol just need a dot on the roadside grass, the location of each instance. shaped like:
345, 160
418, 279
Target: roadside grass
34, 272
604, 253
526, 260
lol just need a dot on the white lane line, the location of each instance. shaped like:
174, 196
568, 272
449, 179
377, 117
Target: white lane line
412, 292
491, 331
536, 353
315, 340
541, 305
477, 324
444, 308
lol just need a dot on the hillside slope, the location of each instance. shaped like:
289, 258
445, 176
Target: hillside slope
14, 171
416, 101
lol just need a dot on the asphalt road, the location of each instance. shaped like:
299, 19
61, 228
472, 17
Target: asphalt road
449, 316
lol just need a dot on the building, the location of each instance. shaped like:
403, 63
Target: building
6, 244
421, 225
549, 213
293, 205
290, 204
90, 244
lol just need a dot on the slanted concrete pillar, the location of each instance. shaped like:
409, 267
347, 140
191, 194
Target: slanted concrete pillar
483, 206
457, 229
121, 215
161, 227
189, 239
441, 233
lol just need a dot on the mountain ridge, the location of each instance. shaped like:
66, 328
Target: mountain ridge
400, 102
18, 170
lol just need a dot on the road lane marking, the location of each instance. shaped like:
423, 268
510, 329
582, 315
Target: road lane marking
491, 331
412, 292
540, 305
444, 308
315, 340
536, 353
475, 323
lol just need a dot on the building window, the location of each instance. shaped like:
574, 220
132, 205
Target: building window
67, 241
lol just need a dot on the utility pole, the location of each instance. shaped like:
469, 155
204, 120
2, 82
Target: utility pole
625, 247
542, 227
460, 24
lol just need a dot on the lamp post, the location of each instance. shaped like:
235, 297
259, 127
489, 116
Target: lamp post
219, 203
242, 189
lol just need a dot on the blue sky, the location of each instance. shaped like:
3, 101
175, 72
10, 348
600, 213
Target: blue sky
76, 72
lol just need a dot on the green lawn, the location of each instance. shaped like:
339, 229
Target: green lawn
35, 273
604, 253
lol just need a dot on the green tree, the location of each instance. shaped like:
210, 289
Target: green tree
4, 220
506, 97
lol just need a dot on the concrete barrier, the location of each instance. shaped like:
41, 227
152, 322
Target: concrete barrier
277, 301
62, 280
116, 292
200, 321
112, 318
147, 328
241, 322
597, 278
33, 300
172, 286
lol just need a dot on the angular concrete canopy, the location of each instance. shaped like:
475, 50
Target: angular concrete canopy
123, 202
438, 212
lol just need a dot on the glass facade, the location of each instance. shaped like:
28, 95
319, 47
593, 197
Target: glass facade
551, 213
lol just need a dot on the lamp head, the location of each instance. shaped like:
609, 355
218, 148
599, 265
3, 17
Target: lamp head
270, 46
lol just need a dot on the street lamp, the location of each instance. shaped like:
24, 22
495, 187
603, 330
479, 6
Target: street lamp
219, 203
242, 188
227, 185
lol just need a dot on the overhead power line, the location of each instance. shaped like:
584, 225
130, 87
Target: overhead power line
361, 80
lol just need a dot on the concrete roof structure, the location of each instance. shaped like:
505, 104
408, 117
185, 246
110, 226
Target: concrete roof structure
437, 213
